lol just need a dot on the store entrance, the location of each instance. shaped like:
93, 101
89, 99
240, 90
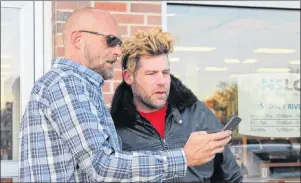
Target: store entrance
17, 78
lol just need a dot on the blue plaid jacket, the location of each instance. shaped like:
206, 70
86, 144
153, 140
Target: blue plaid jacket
67, 135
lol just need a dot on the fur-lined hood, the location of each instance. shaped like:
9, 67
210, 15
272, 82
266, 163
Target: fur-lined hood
124, 112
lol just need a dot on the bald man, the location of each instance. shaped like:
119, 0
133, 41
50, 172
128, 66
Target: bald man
67, 133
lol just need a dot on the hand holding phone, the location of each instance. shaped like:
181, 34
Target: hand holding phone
232, 124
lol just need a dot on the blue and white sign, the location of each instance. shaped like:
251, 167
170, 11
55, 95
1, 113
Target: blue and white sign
269, 104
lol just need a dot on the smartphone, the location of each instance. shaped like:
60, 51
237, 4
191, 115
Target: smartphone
232, 124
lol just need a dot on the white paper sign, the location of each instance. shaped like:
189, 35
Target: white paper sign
269, 104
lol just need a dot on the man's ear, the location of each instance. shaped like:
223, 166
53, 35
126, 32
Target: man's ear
75, 39
128, 76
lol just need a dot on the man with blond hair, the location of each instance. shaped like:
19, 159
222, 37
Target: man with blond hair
154, 111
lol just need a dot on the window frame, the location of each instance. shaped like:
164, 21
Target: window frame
287, 5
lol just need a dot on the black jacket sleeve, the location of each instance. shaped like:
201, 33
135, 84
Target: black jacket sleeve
230, 170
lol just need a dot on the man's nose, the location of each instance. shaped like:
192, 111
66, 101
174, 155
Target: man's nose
161, 79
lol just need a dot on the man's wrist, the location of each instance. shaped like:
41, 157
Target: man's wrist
176, 165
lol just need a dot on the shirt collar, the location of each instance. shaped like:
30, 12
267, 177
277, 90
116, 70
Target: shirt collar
93, 76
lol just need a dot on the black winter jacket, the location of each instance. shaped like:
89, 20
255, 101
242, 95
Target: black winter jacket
185, 114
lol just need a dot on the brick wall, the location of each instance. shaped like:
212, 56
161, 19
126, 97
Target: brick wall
130, 16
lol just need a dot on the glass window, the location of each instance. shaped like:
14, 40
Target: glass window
10, 88
245, 62
10, 78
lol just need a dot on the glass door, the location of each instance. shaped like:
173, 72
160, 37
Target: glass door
17, 77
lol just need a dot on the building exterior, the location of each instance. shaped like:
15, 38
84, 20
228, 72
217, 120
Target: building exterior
225, 48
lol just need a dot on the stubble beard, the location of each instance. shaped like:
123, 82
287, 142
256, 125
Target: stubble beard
97, 67
146, 100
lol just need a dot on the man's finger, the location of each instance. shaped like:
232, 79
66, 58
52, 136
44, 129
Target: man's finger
218, 150
223, 142
221, 135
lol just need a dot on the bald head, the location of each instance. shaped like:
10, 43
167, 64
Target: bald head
90, 19
91, 38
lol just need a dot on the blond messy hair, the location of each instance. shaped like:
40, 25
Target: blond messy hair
145, 44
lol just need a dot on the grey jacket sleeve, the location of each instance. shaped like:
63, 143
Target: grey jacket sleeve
231, 171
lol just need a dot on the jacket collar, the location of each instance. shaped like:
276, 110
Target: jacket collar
124, 112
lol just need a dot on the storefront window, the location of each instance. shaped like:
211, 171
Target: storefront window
10, 79
245, 62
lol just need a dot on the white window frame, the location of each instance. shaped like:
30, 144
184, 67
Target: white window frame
253, 4
26, 38
43, 37
9, 168
38, 37
48, 36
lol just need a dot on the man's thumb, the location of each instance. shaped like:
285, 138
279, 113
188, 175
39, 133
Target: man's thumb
202, 133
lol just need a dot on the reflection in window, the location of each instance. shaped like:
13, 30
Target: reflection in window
10, 82
245, 61
6, 131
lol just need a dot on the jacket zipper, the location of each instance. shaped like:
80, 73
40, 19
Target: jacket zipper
162, 140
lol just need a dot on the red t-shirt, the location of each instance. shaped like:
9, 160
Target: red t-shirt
157, 119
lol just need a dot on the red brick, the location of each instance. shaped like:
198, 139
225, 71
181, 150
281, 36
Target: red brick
116, 84
108, 98
117, 75
60, 51
111, 6
154, 20
106, 87
123, 30
74, 5
129, 19
136, 28
62, 16
145, 8
59, 27
59, 39
118, 65
123, 38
